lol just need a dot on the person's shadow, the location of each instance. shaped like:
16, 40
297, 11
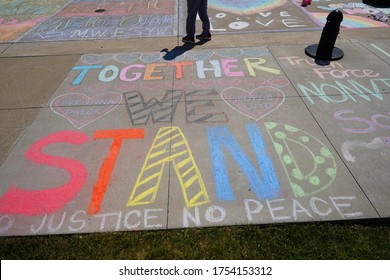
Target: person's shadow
179, 50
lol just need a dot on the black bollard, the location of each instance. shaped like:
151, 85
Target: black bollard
325, 51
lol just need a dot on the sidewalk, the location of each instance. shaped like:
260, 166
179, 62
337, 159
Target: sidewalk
145, 133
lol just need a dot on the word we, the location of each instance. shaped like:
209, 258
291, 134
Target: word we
141, 112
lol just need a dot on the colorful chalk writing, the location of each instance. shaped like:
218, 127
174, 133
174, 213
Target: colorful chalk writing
43, 20
338, 83
80, 109
356, 14
202, 99
155, 111
364, 125
39, 202
340, 92
239, 166
169, 145
140, 111
255, 104
304, 180
256, 16
245, 7
19, 16
220, 137
109, 162
79, 21
205, 69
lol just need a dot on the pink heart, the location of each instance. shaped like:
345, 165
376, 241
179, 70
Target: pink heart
203, 84
229, 83
255, 104
180, 84
82, 110
98, 88
125, 87
73, 89
278, 82
152, 84
256, 82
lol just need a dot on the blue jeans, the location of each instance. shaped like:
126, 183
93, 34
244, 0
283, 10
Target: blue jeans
195, 7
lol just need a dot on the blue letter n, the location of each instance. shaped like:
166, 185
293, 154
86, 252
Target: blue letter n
220, 137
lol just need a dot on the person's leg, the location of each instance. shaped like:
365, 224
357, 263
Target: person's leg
204, 17
192, 11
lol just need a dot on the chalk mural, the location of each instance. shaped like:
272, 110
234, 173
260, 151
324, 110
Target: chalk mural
49, 20
227, 16
134, 141
107, 20
355, 99
355, 13
19, 16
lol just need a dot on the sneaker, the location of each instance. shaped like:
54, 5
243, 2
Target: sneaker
188, 39
204, 37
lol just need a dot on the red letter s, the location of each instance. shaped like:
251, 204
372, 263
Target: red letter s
47, 201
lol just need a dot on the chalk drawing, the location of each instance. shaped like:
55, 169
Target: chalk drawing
255, 104
204, 84
245, 7
154, 70
80, 109
77, 221
6, 222
140, 112
19, 16
113, 8
265, 186
109, 162
256, 16
169, 145
79, 21
356, 14
339, 92
364, 126
197, 99
156, 111
96, 58
380, 49
50, 200
351, 21
311, 177
377, 143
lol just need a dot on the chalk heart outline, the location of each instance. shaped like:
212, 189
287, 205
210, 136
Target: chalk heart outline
236, 97
85, 101
96, 58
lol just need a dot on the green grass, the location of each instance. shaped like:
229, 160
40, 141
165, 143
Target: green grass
349, 240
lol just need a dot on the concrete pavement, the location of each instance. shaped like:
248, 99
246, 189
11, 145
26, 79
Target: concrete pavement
109, 123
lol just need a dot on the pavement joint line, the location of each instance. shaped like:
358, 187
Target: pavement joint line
337, 152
